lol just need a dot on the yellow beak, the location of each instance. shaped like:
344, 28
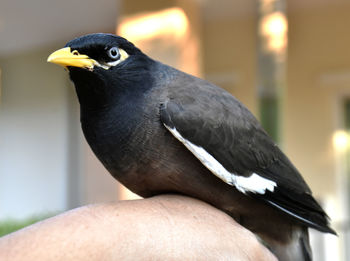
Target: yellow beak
65, 57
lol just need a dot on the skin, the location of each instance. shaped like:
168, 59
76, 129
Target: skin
166, 227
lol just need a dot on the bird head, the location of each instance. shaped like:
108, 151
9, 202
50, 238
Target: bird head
103, 66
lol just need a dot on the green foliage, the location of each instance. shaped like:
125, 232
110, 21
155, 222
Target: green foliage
269, 116
347, 114
12, 225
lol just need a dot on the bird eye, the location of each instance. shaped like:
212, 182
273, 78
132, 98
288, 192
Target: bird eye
114, 53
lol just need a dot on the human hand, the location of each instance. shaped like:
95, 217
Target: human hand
166, 227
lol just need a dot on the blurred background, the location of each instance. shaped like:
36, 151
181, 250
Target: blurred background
288, 61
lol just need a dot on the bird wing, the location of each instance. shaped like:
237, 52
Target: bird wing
229, 141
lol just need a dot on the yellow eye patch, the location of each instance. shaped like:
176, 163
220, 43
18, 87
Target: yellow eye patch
123, 55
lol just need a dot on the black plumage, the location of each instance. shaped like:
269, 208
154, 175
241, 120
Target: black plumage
159, 130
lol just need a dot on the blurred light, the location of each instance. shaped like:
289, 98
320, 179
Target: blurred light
332, 246
341, 140
172, 21
126, 194
274, 27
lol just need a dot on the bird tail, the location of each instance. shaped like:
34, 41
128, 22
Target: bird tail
304, 244
298, 248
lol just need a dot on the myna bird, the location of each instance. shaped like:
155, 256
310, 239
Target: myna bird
159, 130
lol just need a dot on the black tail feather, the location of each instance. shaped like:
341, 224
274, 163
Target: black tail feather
303, 207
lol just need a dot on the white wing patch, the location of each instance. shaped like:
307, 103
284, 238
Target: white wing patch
253, 183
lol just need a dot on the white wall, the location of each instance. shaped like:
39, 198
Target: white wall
45, 163
33, 136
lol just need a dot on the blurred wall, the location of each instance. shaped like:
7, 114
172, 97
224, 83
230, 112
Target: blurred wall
229, 39
34, 135
318, 70
45, 164
318, 78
